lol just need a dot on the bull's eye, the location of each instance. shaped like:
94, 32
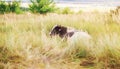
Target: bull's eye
59, 30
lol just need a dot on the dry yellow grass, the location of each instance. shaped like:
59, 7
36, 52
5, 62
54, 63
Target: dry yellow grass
25, 42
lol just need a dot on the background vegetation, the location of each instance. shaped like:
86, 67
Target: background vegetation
42, 6
37, 6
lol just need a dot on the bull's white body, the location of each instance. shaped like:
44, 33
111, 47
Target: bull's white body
78, 34
80, 40
79, 37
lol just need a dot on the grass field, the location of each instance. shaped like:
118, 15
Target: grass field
25, 42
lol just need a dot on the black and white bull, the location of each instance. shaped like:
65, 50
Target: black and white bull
67, 32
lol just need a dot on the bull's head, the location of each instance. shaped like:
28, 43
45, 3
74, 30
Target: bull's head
58, 30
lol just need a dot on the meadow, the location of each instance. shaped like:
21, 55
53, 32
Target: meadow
25, 42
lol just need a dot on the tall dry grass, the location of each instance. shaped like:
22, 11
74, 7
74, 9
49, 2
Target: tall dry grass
25, 42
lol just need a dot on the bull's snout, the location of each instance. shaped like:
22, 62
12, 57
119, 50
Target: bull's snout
51, 34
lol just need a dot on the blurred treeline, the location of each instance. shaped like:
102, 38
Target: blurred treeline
38, 6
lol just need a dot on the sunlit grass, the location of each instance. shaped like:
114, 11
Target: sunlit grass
25, 42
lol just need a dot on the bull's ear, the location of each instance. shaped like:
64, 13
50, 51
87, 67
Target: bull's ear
58, 25
55, 26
